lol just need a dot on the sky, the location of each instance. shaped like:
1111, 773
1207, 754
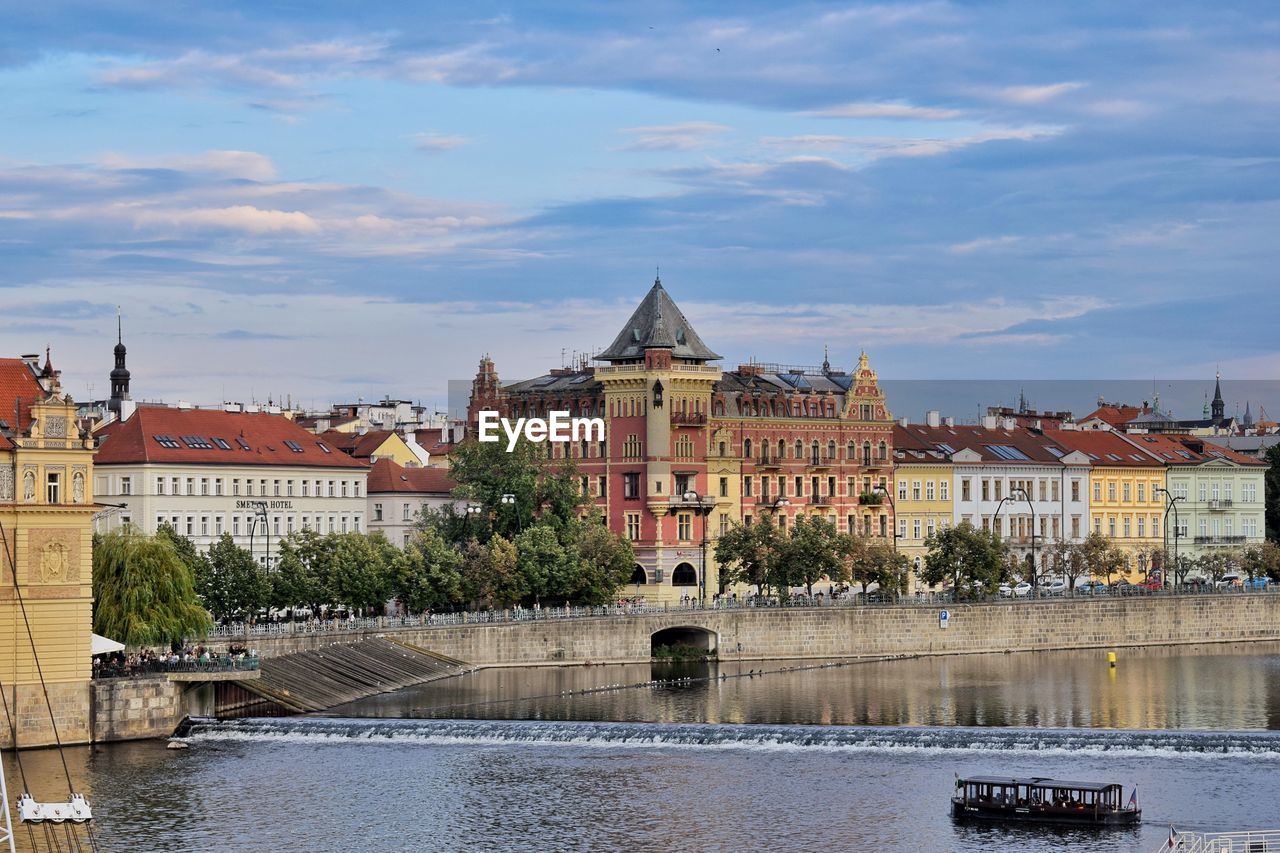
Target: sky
323, 203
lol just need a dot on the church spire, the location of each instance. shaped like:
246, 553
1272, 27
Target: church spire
1217, 406
120, 373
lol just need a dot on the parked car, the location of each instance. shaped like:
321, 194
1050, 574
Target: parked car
1022, 589
1121, 586
1091, 587
1006, 591
1054, 588
1196, 584
1152, 584
1230, 580
1257, 583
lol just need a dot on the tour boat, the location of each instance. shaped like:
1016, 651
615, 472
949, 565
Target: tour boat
1041, 800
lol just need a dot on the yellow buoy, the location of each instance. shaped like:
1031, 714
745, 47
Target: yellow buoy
1111, 659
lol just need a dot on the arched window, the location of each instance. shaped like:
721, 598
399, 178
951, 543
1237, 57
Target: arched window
866, 453
639, 575
782, 449
814, 453
684, 575
746, 448
831, 451
884, 451
851, 452
723, 448
799, 449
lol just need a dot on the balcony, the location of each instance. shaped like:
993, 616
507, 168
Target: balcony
870, 499
821, 461
820, 500
1221, 540
1220, 505
767, 461
688, 418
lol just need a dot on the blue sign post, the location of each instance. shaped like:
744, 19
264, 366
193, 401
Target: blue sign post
944, 617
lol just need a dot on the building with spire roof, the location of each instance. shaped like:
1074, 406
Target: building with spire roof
692, 448
116, 404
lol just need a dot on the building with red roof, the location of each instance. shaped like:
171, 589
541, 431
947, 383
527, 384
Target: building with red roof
398, 494
255, 475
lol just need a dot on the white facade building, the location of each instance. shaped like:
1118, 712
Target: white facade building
256, 476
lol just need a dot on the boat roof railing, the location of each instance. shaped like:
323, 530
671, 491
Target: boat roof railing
1038, 782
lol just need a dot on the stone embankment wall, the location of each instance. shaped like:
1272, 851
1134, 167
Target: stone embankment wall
133, 708
847, 631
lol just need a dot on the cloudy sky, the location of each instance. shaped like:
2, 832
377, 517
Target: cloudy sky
329, 205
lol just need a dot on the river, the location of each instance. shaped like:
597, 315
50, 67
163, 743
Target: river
760, 756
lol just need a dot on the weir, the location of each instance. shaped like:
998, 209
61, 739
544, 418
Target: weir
322, 678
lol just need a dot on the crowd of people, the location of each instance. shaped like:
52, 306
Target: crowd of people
177, 658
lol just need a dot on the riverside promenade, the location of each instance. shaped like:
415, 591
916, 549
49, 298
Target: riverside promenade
565, 636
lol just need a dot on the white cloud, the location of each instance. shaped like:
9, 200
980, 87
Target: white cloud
233, 164
243, 217
874, 147
885, 110
435, 142
983, 244
674, 137
1035, 94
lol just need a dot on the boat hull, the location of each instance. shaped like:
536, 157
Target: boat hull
1057, 816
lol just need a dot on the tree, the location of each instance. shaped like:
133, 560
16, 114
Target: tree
1261, 560
546, 491
748, 553
970, 558
543, 562
813, 551
1101, 556
303, 571
1070, 562
1271, 492
491, 575
1214, 564
361, 569
604, 561
143, 593
427, 573
233, 585
878, 562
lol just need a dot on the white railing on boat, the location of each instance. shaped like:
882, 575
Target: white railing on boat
1257, 841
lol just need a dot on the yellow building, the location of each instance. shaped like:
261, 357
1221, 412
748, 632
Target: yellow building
922, 496
46, 516
1126, 503
371, 445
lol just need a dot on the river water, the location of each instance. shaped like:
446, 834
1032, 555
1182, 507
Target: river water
760, 756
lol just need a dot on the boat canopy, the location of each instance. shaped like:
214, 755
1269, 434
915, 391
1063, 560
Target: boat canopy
1037, 782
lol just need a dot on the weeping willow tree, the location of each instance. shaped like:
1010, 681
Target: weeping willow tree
143, 593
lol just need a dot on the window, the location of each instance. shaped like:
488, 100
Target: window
902, 526
191, 525
1111, 527
196, 442
965, 494
126, 486
746, 487
631, 486
633, 526
1142, 492
684, 526
221, 442
377, 512
724, 523
166, 441
1142, 527
902, 489
159, 485
1111, 492
915, 490
944, 488
275, 488
1226, 491
53, 488
324, 447
204, 525
293, 445
191, 486
241, 443
1127, 532
332, 488
915, 528
1075, 490
1204, 491
928, 490
724, 487
306, 488
799, 487
986, 489
235, 486
235, 525
601, 485
1075, 527
204, 486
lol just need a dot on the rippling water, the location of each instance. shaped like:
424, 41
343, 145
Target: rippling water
858, 757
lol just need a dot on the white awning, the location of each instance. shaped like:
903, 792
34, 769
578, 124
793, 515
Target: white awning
101, 645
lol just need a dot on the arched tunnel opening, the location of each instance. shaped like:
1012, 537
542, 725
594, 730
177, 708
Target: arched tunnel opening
683, 642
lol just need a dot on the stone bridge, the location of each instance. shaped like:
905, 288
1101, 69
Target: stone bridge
769, 633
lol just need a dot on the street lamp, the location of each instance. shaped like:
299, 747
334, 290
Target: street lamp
704, 510
883, 489
107, 510
260, 512
472, 511
510, 500
1171, 502
1035, 568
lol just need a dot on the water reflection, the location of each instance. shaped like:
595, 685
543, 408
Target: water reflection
1200, 687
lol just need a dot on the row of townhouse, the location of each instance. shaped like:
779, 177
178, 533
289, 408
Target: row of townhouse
257, 476
1037, 488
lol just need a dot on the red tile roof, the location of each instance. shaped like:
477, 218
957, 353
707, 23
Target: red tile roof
1104, 447
1117, 416
159, 434
17, 384
387, 476
355, 444
1188, 450
1032, 445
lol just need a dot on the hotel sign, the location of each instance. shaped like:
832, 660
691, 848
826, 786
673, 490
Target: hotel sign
264, 504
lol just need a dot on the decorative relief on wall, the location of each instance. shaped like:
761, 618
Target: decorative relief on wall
29, 485
77, 487
53, 556
6, 483
55, 426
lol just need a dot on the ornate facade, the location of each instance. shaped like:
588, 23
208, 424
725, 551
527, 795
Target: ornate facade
46, 515
692, 448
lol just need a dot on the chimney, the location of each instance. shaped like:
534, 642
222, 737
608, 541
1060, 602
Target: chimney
32, 360
988, 421
1009, 423
948, 422
904, 421
184, 405
933, 418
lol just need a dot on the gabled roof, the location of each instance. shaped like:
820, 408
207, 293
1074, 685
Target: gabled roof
1116, 416
386, 477
355, 444
1105, 448
1017, 446
215, 437
1189, 450
658, 323
17, 385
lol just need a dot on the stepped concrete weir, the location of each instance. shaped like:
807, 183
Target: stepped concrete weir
321, 678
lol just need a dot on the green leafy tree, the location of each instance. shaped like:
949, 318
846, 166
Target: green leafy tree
491, 575
1271, 490
546, 491
1214, 564
604, 561
143, 593
1101, 556
543, 563
233, 585
303, 572
427, 574
748, 553
1261, 561
971, 559
879, 563
361, 569
1069, 561
814, 550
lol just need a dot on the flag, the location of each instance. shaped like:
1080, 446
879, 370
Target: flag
1173, 839
1133, 798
